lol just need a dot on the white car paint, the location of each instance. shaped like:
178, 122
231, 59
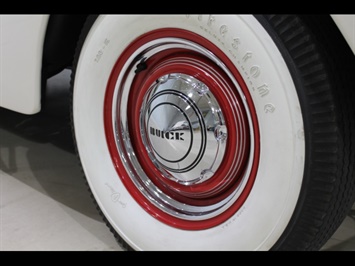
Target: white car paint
346, 25
21, 43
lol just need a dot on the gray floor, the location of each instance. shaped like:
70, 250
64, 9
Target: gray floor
44, 202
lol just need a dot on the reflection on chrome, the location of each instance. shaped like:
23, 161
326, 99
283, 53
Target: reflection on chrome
179, 117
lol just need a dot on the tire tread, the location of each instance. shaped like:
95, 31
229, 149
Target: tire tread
328, 97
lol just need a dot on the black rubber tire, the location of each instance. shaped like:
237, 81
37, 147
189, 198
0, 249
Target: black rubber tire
322, 68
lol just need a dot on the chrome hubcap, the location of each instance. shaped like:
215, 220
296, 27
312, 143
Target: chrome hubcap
184, 128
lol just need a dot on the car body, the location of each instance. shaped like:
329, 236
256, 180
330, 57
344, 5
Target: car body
23, 50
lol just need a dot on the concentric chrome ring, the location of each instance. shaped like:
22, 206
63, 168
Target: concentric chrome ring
181, 129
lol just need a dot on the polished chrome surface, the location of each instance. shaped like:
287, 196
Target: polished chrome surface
184, 123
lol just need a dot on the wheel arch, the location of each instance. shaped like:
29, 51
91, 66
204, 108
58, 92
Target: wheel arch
60, 41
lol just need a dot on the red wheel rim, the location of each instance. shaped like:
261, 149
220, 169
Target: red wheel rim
183, 167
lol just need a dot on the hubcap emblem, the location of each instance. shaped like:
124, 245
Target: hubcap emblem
181, 118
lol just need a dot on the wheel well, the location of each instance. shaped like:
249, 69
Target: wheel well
60, 42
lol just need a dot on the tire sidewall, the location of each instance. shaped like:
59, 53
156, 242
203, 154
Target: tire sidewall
265, 214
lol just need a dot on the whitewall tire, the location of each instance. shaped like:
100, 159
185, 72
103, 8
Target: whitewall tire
194, 131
